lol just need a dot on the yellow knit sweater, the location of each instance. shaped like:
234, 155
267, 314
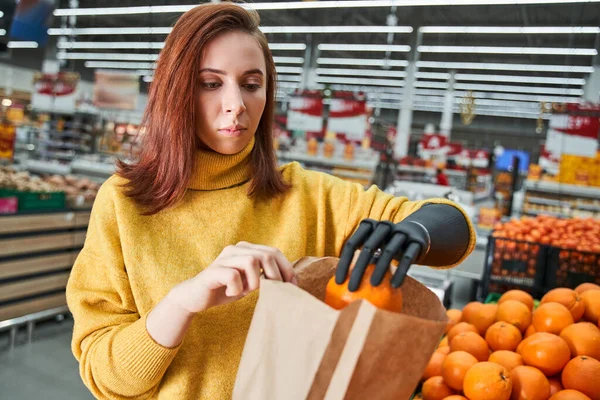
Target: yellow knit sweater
130, 262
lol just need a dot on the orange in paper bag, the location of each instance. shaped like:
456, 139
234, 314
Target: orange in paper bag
383, 296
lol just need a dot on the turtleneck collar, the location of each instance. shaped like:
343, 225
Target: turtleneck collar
213, 171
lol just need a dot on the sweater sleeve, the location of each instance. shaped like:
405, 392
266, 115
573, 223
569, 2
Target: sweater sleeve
118, 359
375, 204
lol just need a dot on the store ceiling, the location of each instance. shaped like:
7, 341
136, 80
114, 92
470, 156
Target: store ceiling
498, 78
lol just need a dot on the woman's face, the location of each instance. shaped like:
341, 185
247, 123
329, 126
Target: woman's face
232, 92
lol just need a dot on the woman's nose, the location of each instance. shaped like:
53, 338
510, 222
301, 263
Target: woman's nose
233, 103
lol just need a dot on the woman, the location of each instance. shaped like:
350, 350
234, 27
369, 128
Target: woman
164, 289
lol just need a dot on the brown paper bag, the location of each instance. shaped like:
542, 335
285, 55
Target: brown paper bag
300, 348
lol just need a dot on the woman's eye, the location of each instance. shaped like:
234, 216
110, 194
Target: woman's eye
210, 85
252, 87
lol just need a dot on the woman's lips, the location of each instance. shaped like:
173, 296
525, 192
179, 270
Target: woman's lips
232, 132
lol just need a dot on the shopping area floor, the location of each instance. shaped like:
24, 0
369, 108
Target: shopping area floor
46, 368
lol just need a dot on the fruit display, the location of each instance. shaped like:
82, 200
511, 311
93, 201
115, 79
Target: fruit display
78, 190
541, 253
483, 358
22, 181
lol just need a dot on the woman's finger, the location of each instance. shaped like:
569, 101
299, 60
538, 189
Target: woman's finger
286, 271
249, 265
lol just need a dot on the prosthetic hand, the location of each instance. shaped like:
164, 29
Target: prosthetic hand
435, 235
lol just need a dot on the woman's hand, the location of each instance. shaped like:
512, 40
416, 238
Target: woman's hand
233, 274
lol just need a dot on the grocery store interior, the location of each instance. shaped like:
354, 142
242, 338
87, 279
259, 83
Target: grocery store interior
492, 104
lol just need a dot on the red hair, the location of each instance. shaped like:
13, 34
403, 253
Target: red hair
158, 178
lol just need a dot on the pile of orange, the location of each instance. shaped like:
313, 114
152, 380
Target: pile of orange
512, 350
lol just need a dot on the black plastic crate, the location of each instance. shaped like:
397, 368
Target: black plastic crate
570, 268
514, 264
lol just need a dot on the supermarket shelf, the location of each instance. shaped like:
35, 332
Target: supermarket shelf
330, 162
562, 188
550, 202
550, 213
587, 207
46, 167
84, 166
412, 168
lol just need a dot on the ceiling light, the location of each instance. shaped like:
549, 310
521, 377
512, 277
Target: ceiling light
22, 45
289, 78
436, 85
506, 67
297, 5
501, 96
264, 29
364, 47
118, 65
291, 85
108, 56
289, 70
432, 75
511, 29
507, 50
362, 61
1, 14
148, 79
520, 89
520, 79
6, 102
361, 72
360, 81
288, 60
111, 45
287, 46
2, 32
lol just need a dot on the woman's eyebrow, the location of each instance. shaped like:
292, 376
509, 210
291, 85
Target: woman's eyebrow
221, 72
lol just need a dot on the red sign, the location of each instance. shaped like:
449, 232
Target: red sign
433, 142
348, 115
305, 113
576, 131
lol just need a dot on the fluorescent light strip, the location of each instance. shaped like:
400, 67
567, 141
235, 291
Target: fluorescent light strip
491, 113
519, 79
299, 5
360, 81
546, 30
360, 88
148, 79
388, 106
289, 70
291, 85
432, 75
501, 96
384, 96
507, 50
516, 110
363, 47
22, 45
118, 65
532, 106
289, 78
337, 29
155, 45
288, 60
362, 62
110, 45
361, 72
506, 67
519, 89
264, 29
435, 85
108, 56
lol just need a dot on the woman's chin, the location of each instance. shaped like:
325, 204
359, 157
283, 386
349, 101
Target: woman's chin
230, 145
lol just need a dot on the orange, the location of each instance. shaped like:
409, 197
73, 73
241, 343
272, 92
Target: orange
434, 366
453, 318
508, 359
503, 336
529, 383
552, 318
569, 395
472, 343
460, 328
514, 312
555, 385
591, 300
517, 295
383, 296
435, 389
443, 342
482, 316
545, 351
455, 368
455, 397
530, 331
583, 339
583, 374
568, 298
443, 350
487, 381
469, 311
584, 287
